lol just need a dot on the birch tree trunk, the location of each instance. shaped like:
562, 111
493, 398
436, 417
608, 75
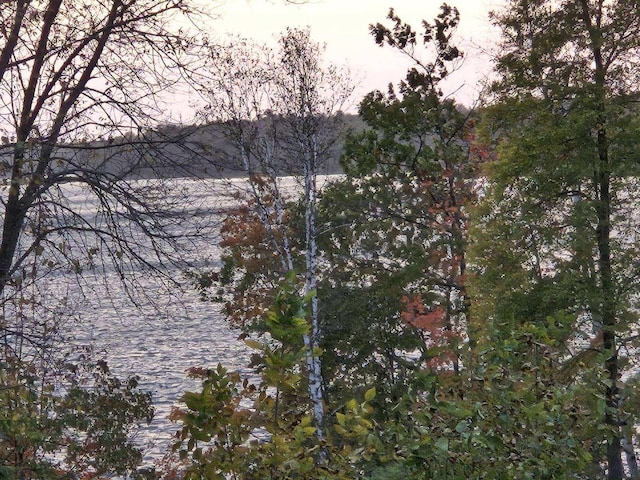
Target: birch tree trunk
312, 341
281, 110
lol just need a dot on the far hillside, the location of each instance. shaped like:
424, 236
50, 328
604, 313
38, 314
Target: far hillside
171, 151
203, 151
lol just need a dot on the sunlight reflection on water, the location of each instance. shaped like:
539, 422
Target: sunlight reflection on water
169, 331
160, 347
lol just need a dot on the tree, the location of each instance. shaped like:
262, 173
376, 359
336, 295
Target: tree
281, 112
65, 82
78, 101
396, 244
84, 431
395, 228
222, 437
393, 250
79, 86
555, 231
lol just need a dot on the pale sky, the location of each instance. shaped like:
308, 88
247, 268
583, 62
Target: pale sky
343, 26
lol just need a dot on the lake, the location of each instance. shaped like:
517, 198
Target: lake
169, 330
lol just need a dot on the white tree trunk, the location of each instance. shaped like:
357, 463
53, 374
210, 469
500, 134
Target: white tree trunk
632, 461
312, 341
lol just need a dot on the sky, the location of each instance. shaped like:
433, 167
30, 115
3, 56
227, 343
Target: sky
342, 25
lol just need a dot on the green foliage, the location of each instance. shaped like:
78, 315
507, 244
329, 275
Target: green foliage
521, 385
287, 322
233, 428
492, 423
99, 414
554, 246
78, 424
396, 225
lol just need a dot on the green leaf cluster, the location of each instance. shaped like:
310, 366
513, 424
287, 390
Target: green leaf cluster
60, 426
508, 232
234, 428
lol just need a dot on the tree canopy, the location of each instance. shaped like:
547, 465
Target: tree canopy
459, 304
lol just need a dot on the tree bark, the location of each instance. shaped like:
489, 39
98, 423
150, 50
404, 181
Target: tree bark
316, 383
602, 185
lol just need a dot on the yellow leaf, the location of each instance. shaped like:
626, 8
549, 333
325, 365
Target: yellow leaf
253, 344
305, 421
365, 423
308, 431
370, 394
